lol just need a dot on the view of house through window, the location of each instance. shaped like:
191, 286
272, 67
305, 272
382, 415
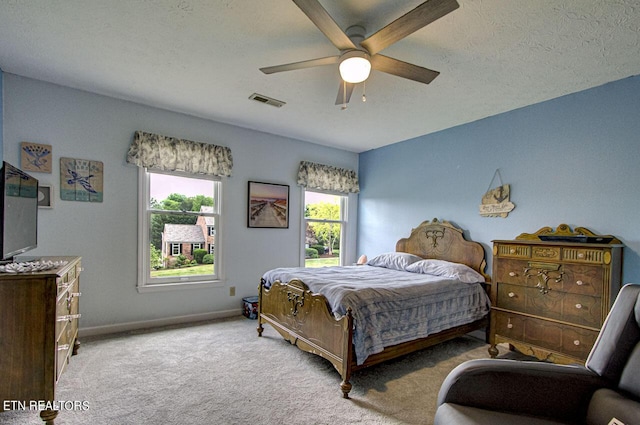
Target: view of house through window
325, 224
181, 221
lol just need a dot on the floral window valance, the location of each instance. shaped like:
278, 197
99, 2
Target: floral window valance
326, 177
170, 154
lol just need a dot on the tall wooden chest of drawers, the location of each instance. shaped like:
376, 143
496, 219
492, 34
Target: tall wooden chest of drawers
38, 333
550, 297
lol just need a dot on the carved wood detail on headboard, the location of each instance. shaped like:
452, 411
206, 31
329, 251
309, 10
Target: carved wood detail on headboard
443, 241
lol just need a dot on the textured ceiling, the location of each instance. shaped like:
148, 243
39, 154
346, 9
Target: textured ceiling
201, 57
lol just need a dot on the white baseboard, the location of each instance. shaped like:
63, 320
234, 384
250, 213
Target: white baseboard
154, 323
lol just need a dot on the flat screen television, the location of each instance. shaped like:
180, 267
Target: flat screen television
19, 209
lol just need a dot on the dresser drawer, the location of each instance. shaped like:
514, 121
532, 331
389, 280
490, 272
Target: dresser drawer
545, 334
74, 308
586, 255
574, 278
64, 345
545, 253
62, 314
68, 278
513, 251
576, 309
63, 282
511, 271
582, 310
511, 297
509, 325
583, 279
578, 342
524, 272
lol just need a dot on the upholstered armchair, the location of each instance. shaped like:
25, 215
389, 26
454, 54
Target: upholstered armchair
500, 391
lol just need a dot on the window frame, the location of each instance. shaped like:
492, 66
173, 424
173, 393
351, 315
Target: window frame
145, 283
342, 221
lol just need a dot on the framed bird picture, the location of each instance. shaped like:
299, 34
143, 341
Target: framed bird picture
81, 180
35, 157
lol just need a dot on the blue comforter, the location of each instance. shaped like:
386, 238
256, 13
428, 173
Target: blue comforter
390, 306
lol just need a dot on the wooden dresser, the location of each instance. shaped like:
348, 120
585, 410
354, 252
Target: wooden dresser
552, 291
38, 333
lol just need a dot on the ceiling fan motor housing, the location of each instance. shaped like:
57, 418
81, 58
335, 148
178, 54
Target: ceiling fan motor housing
356, 34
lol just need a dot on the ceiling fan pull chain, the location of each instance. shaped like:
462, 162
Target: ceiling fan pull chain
364, 90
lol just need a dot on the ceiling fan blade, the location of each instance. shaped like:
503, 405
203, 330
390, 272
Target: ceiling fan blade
325, 23
409, 23
330, 60
403, 69
341, 99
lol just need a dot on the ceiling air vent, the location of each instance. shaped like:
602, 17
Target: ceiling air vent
267, 100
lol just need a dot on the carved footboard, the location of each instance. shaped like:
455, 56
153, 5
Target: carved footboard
305, 320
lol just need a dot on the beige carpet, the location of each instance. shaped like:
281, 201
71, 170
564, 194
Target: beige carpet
221, 373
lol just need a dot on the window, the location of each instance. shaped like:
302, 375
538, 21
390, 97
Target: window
325, 226
176, 245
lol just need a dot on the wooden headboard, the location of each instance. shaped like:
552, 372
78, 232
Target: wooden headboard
441, 240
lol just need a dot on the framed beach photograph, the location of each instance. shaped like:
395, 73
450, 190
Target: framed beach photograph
45, 196
268, 205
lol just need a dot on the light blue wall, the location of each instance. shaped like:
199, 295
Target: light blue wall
573, 160
84, 125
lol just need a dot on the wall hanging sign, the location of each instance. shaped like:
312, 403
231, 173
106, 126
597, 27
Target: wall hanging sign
81, 180
35, 157
495, 203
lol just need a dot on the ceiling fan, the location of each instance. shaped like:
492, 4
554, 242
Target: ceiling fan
358, 55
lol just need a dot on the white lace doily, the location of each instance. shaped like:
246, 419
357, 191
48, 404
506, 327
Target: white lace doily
31, 266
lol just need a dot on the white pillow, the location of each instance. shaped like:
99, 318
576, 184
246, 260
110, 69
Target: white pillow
446, 269
394, 260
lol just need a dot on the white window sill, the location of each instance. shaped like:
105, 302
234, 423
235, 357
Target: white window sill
161, 287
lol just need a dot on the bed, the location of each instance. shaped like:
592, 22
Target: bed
431, 289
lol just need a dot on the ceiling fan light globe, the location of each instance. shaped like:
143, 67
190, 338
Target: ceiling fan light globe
355, 67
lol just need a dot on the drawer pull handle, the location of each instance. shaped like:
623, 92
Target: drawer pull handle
511, 294
512, 251
68, 317
63, 347
512, 274
576, 342
509, 324
581, 255
578, 306
71, 297
579, 282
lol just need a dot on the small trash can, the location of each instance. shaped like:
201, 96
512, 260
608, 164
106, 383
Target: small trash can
250, 307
